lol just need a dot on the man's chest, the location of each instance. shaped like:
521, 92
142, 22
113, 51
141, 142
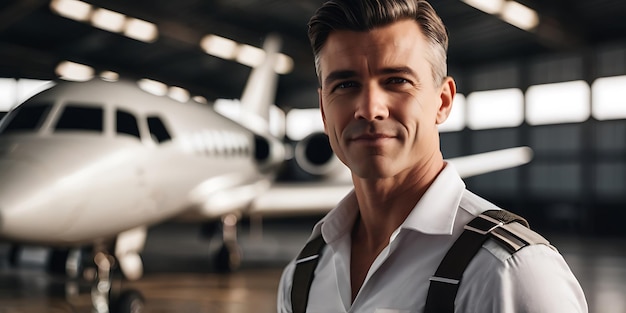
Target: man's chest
396, 281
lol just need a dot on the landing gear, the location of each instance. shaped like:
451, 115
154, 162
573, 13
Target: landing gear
14, 255
228, 258
107, 295
57, 260
129, 301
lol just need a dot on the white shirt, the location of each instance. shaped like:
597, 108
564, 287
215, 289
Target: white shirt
535, 279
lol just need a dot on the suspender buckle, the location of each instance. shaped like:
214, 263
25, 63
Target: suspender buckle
483, 224
445, 280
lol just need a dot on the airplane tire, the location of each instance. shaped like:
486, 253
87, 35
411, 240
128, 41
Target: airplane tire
14, 255
228, 258
57, 261
129, 301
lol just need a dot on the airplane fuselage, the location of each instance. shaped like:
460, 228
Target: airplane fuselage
95, 164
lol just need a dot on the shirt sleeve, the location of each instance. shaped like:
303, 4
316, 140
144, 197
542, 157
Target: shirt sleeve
535, 279
283, 301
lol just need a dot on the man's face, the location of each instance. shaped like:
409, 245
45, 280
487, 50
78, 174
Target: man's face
379, 103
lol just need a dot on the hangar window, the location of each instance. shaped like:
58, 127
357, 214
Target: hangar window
80, 118
557, 103
158, 131
608, 98
126, 123
495, 108
25, 118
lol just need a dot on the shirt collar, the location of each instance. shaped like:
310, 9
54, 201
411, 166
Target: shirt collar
433, 214
436, 210
338, 221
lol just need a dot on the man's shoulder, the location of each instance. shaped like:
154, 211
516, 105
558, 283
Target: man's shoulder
506, 239
502, 255
475, 204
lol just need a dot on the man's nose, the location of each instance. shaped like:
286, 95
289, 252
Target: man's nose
372, 104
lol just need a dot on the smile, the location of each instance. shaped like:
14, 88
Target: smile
371, 138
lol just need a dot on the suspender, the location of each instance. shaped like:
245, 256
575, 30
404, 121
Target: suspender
496, 224
303, 274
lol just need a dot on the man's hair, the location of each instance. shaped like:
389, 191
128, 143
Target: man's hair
365, 15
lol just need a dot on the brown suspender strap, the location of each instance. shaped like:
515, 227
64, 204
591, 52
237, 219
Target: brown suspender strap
304, 272
496, 224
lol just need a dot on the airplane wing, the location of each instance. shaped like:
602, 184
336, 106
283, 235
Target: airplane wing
285, 199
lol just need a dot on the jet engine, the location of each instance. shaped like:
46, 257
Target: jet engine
314, 156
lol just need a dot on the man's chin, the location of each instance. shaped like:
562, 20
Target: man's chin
373, 170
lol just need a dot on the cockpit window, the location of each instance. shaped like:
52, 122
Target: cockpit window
80, 118
25, 118
157, 130
127, 124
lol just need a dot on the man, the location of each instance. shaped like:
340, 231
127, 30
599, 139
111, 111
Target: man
383, 90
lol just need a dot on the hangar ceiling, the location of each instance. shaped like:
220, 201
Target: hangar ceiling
33, 39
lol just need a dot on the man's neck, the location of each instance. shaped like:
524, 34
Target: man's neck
385, 203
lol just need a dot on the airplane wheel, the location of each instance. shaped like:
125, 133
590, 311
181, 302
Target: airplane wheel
228, 258
14, 255
57, 261
129, 301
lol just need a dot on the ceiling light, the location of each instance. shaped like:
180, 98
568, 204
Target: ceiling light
72, 9
488, 6
519, 15
141, 30
108, 20
200, 99
219, 46
109, 76
178, 94
152, 86
73, 71
250, 56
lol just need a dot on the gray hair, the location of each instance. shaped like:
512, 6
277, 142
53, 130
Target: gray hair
365, 15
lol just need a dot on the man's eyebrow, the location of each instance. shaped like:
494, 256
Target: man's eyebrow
400, 69
338, 75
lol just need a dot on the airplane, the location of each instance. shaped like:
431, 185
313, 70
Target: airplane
95, 163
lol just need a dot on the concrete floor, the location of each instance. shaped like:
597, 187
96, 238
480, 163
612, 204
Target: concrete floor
178, 275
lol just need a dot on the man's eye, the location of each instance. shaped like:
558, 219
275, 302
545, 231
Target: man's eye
344, 85
397, 80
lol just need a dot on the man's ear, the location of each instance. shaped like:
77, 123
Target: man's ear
448, 90
319, 97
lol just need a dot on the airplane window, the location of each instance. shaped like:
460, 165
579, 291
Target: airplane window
157, 130
80, 118
127, 124
23, 118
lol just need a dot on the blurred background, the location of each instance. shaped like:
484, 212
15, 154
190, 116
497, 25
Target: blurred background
547, 74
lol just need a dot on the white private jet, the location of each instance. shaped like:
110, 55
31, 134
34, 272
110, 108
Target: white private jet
95, 163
